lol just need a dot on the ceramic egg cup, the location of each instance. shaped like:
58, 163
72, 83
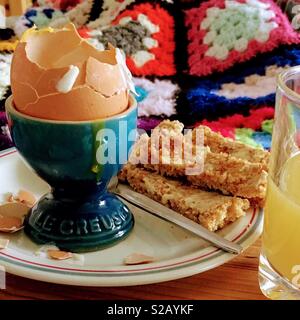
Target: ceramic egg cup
79, 214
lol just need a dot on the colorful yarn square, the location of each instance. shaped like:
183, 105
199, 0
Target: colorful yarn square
56, 14
244, 87
105, 11
145, 32
224, 32
156, 98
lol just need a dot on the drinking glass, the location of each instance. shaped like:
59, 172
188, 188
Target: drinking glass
279, 268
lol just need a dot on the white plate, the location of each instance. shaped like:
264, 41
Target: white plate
177, 252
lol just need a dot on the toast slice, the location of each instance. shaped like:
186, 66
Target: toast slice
218, 144
210, 209
215, 163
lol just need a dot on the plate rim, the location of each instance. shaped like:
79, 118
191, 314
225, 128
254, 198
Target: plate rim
71, 276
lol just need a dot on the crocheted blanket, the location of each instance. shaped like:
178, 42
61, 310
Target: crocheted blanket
213, 63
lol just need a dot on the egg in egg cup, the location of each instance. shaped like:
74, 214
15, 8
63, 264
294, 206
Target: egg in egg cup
71, 117
79, 214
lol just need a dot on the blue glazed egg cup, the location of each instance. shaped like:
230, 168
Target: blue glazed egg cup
77, 159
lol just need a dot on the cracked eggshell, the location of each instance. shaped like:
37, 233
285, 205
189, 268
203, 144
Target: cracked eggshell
43, 58
12, 216
87, 100
14, 209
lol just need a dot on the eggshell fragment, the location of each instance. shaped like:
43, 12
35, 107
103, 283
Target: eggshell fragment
10, 198
42, 250
104, 77
26, 198
10, 224
59, 255
14, 209
12, 216
42, 60
137, 258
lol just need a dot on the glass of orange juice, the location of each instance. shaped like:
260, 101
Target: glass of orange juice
279, 269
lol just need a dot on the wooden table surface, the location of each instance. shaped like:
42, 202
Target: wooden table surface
236, 279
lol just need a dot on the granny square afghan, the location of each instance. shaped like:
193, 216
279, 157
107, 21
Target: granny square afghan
210, 62
224, 32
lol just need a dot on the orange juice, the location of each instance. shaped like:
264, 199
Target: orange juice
281, 238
